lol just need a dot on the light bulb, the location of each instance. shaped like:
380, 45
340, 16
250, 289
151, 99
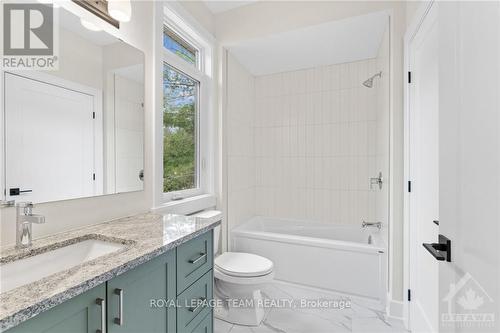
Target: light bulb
120, 10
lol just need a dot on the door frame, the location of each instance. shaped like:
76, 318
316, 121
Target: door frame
65, 84
412, 30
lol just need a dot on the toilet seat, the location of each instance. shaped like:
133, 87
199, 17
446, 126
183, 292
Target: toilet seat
239, 264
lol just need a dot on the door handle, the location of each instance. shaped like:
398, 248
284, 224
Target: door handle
119, 320
442, 250
102, 303
17, 191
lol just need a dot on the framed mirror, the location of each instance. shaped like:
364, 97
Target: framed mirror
77, 131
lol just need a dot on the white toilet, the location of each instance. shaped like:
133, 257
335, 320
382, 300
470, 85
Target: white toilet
238, 278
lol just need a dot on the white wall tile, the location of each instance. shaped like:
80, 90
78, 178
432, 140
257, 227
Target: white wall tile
312, 141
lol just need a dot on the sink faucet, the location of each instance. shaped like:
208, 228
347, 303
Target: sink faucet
24, 220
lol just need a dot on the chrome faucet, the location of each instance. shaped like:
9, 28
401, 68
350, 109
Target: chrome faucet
371, 224
24, 220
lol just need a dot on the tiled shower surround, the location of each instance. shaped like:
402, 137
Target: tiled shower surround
316, 144
307, 144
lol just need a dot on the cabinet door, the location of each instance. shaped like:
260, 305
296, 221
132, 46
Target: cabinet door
81, 314
142, 300
206, 325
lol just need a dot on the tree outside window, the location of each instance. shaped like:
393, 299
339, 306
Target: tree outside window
180, 160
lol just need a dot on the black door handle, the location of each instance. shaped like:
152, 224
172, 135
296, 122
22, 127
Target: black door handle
442, 250
17, 191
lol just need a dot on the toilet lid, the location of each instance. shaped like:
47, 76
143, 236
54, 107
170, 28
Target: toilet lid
243, 264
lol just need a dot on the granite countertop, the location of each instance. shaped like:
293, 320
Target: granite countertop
144, 237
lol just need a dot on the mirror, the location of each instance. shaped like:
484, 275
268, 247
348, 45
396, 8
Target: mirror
77, 131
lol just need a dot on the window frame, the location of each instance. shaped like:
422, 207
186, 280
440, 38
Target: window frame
201, 73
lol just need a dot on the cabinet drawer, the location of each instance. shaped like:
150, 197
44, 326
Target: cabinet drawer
206, 325
193, 304
194, 259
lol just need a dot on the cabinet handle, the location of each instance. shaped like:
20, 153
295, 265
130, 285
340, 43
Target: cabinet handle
102, 303
119, 320
200, 303
200, 257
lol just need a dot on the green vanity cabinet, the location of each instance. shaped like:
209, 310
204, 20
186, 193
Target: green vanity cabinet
194, 259
194, 304
141, 300
205, 326
82, 314
154, 297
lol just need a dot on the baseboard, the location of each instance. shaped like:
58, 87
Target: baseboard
396, 310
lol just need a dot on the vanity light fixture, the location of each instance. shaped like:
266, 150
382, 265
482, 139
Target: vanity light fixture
120, 10
98, 8
90, 25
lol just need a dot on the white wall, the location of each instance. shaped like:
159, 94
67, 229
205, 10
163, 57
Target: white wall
116, 56
269, 17
200, 12
383, 136
240, 119
69, 214
79, 60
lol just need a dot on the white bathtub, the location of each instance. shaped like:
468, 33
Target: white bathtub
331, 257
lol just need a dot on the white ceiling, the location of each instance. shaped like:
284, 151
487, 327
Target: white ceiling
346, 40
223, 6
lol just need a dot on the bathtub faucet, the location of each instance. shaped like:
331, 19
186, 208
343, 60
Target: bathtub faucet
371, 224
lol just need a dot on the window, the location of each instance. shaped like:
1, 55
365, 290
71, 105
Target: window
180, 131
178, 46
186, 155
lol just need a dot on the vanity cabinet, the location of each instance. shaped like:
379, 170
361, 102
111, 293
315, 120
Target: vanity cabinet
82, 314
138, 301
195, 284
168, 294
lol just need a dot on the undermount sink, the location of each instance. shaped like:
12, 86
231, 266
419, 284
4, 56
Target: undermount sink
27, 270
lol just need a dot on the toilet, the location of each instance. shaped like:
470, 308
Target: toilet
238, 278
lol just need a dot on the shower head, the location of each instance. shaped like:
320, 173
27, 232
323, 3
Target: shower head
369, 83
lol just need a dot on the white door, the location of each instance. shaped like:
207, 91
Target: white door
49, 141
424, 174
129, 127
469, 56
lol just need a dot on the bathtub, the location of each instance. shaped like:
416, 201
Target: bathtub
340, 258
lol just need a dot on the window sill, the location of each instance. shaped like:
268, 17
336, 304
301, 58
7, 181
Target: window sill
188, 205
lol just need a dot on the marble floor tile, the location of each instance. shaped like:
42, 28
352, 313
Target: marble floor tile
360, 316
221, 326
377, 325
